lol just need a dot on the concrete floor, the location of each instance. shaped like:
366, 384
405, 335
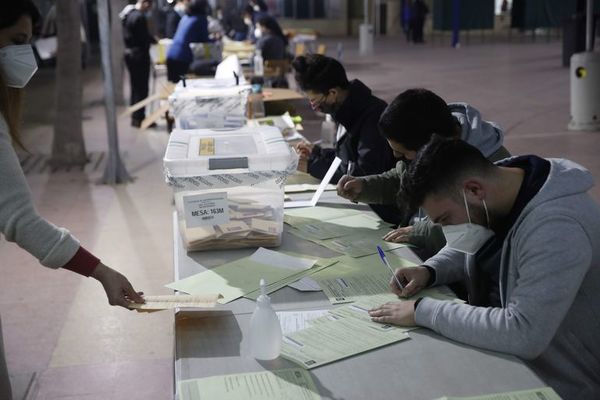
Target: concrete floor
58, 327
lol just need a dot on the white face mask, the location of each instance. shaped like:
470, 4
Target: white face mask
468, 238
257, 33
17, 65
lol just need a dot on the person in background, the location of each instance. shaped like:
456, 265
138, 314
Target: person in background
20, 223
524, 233
137, 39
418, 13
174, 12
356, 111
408, 124
193, 28
234, 25
270, 39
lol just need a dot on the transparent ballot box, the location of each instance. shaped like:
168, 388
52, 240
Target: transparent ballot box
228, 185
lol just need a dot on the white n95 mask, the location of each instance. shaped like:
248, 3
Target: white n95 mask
17, 65
468, 238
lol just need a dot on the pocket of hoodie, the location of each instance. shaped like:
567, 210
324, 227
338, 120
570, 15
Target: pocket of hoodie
586, 356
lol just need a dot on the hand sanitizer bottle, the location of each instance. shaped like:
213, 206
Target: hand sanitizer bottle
259, 68
265, 330
328, 132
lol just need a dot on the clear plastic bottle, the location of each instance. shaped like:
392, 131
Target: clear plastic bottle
328, 132
259, 67
256, 104
265, 329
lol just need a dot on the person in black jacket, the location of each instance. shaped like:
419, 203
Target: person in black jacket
137, 53
356, 112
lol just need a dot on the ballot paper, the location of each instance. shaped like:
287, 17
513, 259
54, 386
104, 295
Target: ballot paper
545, 393
334, 337
315, 199
238, 278
306, 187
293, 383
306, 284
292, 321
166, 302
299, 216
348, 288
321, 264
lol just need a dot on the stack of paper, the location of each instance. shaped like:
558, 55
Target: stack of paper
241, 277
545, 393
290, 384
340, 334
166, 302
350, 232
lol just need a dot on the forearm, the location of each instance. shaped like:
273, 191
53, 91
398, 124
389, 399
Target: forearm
381, 188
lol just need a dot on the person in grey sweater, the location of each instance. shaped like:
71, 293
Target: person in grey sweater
408, 123
534, 222
54, 247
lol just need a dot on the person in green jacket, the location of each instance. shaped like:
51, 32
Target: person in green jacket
408, 123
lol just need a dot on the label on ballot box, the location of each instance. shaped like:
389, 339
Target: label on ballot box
206, 209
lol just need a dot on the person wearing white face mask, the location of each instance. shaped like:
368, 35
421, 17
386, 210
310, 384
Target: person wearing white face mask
19, 221
537, 274
270, 39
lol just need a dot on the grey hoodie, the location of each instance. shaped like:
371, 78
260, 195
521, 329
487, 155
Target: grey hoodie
383, 188
486, 136
549, 288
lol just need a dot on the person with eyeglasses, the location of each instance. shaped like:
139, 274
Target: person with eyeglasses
356, 112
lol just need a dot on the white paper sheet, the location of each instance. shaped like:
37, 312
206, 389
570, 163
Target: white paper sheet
277, 259
306, 284
315, 199
292, 321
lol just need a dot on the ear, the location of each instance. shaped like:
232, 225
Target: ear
474, 189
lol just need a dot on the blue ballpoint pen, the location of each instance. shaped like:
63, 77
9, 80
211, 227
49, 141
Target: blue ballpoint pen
387, 264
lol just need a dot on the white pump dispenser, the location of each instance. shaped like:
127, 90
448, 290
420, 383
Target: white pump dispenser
265, 330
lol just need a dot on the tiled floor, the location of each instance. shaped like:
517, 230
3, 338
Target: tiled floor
59, 325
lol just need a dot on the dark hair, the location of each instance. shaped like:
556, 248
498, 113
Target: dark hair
319, 73
197, 7
271, 24
13, 10
414, 115
438, 167
11, 98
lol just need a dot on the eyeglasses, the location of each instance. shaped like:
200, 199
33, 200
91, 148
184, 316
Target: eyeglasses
315, 104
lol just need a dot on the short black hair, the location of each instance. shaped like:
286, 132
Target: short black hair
13, 10
438, 168
319, 73
414, 115
197, 7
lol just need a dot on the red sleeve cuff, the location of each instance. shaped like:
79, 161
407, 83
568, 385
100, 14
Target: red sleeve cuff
83, 262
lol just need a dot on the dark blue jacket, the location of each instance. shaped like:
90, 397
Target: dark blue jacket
191, 29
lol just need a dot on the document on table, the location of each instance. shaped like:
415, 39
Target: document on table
334, 337
292, 321
306, 284
315, 199
293, 383
545, 393
156, 303
321, 264
237, 278
299, 216
306, 187
352, 287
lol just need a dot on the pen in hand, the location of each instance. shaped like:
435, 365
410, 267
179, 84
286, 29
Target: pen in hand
387, 264
350, 172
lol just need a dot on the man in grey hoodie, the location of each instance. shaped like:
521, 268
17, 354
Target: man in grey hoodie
525, 235
408, 123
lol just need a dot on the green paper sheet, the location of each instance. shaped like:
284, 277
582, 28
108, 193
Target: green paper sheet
335, 337
545, 393
293, 383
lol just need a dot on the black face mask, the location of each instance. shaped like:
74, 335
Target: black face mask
327, 108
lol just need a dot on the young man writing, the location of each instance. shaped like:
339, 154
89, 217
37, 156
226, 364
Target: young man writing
525, 235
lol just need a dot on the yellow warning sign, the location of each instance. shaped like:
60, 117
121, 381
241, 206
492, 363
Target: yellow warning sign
207, 147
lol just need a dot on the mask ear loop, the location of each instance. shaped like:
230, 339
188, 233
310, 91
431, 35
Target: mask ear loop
487, 215
467, 206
